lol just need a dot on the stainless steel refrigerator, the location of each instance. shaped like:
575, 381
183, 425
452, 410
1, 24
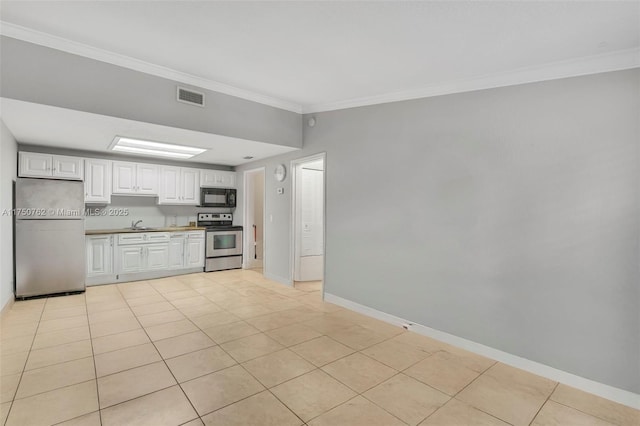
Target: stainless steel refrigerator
49, 237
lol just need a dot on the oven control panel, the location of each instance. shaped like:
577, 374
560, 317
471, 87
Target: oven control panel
215, 219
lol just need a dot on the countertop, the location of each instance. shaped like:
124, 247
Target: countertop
129, 230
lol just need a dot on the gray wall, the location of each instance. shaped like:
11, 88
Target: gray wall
47, 76
510, 217
8, 174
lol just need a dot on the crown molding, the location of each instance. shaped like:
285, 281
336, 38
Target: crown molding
613, 61
65, 45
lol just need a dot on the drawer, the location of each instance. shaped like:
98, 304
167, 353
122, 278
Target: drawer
124, 239
195, 235
143, 238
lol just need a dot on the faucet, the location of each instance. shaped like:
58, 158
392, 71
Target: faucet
135, 225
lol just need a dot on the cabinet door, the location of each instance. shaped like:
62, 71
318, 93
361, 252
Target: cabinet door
68, 167
190, 185
194, 256
99, 255
169, 185
97, 181
157, 256
207, 178
130, 259
35, 165
226, 179
176, 251
124, 178
147, 179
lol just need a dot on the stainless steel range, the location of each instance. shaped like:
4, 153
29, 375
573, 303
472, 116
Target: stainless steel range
223, 243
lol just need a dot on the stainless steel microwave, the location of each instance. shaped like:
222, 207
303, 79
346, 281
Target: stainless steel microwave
217, 197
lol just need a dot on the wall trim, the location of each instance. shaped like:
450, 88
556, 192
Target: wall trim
8, 304
59, 43
620, 396
612, 61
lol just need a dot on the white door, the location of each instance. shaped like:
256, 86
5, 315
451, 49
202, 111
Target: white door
157, 256
169, 185
35, 165
190, 185
147, 179
68, 167
97, 181
124, 177
99, 255
130, 259
194, 256
309, 221
176, 250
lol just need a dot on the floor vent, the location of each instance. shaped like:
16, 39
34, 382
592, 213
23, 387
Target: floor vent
190, 97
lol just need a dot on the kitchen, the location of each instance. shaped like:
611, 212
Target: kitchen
481, 211
50, 191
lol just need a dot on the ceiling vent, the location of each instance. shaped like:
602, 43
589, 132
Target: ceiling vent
190, 97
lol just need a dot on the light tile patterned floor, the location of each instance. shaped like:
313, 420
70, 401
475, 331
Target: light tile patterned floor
232, 348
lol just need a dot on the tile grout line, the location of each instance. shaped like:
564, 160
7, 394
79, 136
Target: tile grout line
95, 369
266, 389
163, 360
15, 393
544, 403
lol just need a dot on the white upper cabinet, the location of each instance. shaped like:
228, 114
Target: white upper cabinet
34, 164
190, 183
97, 181
135, 178
179, 185
217, 179
147, 179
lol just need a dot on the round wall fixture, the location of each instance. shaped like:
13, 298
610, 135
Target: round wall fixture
280, 172
312, 122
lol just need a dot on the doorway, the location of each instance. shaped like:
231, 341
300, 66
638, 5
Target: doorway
254, 219
308, 222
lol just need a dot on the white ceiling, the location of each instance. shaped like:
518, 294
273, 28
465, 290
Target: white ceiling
37, 124
312, 56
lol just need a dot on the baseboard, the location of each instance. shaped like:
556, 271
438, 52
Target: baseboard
620, 396
8, 304
281, 280
138, 276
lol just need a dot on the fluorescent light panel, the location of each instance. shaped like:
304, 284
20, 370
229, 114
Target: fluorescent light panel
156, 149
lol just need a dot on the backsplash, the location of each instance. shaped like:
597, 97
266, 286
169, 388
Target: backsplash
123, 210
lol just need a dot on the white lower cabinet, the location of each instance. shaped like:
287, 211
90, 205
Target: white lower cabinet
130, 259
194, 252
143, 255
176, 250
186, 250
99, 255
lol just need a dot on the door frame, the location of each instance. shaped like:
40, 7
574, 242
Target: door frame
294, 176
246, 234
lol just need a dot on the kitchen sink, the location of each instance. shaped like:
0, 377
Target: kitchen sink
142, 228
